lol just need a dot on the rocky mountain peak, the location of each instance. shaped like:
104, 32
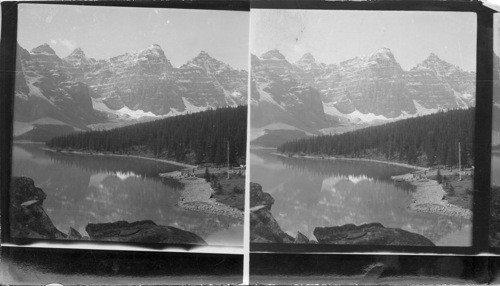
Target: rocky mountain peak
308, 57
273, 54
152, 51
433, 60
208, 63
78, 52
383, 54
43, 49
307, 62
203, 57
441, 67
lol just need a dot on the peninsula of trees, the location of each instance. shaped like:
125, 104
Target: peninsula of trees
194, 138
425, 140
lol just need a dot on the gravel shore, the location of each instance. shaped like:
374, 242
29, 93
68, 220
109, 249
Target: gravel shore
196, 197
429, 198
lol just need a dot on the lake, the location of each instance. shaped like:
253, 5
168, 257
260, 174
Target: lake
310, 193
84, 189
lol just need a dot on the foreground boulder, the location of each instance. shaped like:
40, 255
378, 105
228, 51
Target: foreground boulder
145, 231
264, 228
258, 197
27, 217
369, 234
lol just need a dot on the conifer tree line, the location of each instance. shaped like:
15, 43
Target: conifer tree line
425, 140
196, 138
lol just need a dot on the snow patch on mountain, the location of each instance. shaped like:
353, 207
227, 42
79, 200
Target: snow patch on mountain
355, 116
422, 110
122, 113
191, 108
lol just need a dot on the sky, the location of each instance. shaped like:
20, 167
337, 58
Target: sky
335, 36
104, 32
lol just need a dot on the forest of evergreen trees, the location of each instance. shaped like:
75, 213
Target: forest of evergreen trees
194, 138
424, 140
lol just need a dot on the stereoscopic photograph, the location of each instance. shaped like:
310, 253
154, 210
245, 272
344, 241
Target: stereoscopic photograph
130, 125
362, 127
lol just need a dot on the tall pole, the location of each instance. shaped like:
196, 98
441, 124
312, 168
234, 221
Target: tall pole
459, 163
228, 159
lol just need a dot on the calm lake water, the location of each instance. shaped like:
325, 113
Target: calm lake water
84, 189
312, 192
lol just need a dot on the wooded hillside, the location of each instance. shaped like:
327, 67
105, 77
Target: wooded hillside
196, 138
426, 140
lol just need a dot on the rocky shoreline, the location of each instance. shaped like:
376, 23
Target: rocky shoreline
29, 220
429, 197
265, 229
196, 195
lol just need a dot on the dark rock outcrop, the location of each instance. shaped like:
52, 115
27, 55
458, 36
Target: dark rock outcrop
301, 238
258, 197
27, 216
145, 231
74, 234
264, 228
369, 234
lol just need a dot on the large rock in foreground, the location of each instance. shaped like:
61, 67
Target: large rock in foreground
27, 216
145, 231
369, 234
264, 228
258, 197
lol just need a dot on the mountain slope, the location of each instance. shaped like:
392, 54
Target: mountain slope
83, 92
278, 95
364, 90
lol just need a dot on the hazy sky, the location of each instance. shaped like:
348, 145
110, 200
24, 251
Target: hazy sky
334, 36
104, 32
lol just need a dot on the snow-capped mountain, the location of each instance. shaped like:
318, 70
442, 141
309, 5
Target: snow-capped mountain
279, 96
369, 89
45, 90
80, 91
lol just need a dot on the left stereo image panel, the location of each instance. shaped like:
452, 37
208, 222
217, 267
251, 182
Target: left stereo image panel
129, 127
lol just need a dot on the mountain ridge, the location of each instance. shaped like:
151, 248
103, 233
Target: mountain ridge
123, 87
361, 89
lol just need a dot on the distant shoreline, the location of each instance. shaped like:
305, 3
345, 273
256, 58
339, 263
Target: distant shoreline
184, 165
353, 159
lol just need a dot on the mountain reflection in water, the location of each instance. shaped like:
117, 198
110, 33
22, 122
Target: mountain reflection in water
313, 192
84, 189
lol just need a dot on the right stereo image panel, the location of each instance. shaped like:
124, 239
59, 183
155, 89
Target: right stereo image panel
362, 127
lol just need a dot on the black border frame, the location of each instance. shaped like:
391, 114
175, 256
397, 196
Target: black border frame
8, 47
482, 132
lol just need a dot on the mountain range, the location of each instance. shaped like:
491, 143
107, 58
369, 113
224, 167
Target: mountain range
86, 93
321, 98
